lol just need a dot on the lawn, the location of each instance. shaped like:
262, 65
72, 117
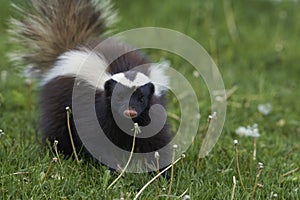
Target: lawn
255, 45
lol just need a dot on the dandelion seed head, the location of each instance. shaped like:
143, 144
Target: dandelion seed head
235, 142
57, 177
255, 133
156, 155
28, 82
175, 146
122, 196
260, 166
214, 115
136, 128
55, 142
1, 132
196, 74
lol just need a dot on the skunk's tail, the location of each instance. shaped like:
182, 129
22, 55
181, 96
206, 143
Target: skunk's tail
49, 28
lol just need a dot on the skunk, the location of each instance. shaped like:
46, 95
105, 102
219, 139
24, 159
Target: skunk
60, 38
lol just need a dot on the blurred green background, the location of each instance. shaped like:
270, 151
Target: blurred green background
257, 49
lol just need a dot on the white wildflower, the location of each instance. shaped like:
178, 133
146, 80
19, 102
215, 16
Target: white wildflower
241, 131
57, 177
249, 131
265, 109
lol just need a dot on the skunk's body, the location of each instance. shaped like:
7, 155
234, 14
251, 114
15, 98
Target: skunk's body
60, 37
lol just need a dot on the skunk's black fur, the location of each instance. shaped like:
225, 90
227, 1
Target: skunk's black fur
56, 91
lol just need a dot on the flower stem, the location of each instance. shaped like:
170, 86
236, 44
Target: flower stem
260, 168
155, 177
233, 188
237, 163
70, 133
136, 131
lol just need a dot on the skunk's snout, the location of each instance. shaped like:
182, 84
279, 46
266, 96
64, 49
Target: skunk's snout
130, 113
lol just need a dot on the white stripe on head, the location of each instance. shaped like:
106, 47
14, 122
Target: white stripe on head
157, 76
139, 80
83, 64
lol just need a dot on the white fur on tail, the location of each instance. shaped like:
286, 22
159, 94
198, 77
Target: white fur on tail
42, 35
157, 75
82, 64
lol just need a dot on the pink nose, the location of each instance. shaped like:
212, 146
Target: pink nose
130, 113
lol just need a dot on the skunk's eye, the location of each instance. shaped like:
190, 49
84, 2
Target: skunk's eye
141, 98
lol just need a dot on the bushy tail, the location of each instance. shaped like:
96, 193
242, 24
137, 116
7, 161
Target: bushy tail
52, 27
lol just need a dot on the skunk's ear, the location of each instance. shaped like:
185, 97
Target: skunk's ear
151, 88
109, 87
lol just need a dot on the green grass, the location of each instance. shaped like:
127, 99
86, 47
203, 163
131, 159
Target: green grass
263, 63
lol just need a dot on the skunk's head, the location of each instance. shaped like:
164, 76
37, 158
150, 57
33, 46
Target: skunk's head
129, 93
